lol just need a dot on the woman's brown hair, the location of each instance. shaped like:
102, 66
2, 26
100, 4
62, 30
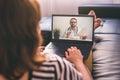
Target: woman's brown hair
18, 37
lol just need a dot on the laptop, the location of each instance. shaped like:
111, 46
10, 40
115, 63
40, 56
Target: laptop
60, 43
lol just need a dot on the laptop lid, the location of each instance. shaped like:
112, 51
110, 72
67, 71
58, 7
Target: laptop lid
78, 27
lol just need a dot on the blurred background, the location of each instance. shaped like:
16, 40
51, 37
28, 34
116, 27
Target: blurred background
68, 6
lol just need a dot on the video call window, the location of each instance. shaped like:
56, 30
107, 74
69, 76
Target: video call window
72, 28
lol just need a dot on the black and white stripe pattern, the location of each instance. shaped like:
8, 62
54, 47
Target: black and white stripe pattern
56, 68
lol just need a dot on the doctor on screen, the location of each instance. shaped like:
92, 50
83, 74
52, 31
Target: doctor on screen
73, 32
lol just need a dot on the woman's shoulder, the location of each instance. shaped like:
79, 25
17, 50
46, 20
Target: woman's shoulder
49, 69
53, 57
50, 58
56, 58
54, 68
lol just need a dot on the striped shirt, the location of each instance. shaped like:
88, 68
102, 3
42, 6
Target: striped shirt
56, 68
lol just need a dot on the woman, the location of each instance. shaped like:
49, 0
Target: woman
20, 47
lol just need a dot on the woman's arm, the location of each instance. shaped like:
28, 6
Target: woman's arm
74, 56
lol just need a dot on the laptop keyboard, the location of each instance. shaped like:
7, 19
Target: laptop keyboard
63, 46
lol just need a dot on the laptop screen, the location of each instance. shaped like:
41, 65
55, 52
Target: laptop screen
72, 27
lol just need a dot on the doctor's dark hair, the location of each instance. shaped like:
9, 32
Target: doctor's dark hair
73, 19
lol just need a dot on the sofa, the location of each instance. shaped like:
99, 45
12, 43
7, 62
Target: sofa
106, 51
